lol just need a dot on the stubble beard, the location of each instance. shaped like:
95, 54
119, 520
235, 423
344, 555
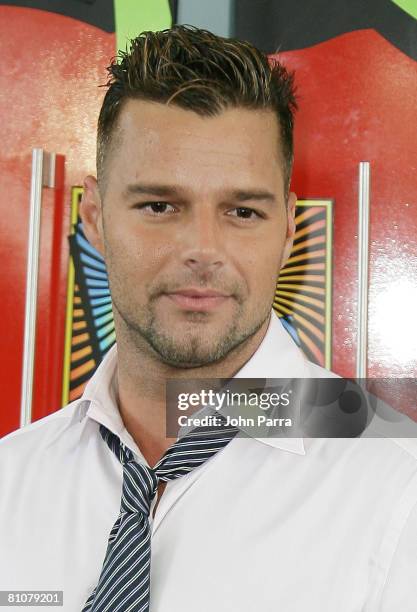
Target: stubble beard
196, 347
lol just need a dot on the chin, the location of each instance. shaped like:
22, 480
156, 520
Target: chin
190, 350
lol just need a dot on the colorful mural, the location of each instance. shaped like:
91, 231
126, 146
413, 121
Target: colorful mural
303, 297
89, 320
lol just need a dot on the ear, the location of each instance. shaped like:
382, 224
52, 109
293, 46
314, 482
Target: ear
292, 200
91, 214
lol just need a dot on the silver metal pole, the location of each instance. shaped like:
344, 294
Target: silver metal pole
363, 265
43, 174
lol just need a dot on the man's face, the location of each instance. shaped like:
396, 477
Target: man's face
193, 227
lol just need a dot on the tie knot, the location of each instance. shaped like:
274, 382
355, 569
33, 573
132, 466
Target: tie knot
139, 487
139, 481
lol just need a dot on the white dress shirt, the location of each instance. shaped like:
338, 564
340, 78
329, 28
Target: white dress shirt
313, 525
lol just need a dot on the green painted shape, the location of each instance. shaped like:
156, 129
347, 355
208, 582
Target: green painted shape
409, 6
135, 16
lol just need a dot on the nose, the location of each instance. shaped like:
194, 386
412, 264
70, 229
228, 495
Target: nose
203, 248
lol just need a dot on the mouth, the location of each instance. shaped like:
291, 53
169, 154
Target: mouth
198, 300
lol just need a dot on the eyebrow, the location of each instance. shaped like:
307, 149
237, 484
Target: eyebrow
251, 195
150, 189
236, 195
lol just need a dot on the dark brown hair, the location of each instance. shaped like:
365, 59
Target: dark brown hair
201, 72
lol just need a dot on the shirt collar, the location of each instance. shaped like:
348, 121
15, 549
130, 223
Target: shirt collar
277, 356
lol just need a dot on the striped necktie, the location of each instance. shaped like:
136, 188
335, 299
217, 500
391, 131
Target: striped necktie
124, 583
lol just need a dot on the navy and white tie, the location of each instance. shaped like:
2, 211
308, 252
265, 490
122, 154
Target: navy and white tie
124, 583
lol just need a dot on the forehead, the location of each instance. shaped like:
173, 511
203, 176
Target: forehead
158, 141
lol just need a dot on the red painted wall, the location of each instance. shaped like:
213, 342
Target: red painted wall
358, 102
49, 97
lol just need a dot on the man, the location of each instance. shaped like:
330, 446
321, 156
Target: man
192, 211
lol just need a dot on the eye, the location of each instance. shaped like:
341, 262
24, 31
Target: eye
243, 212
156, 208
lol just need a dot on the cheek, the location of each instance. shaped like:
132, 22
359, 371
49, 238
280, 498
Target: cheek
261, 273
261, 261
139, 252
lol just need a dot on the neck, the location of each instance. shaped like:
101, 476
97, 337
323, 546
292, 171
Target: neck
142, 384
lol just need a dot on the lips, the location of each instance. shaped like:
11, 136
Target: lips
198, 300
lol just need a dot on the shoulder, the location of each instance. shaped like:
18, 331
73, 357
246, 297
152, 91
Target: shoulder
394, 432
31, 439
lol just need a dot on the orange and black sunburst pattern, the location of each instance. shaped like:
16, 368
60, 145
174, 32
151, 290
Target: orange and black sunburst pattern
302, 296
